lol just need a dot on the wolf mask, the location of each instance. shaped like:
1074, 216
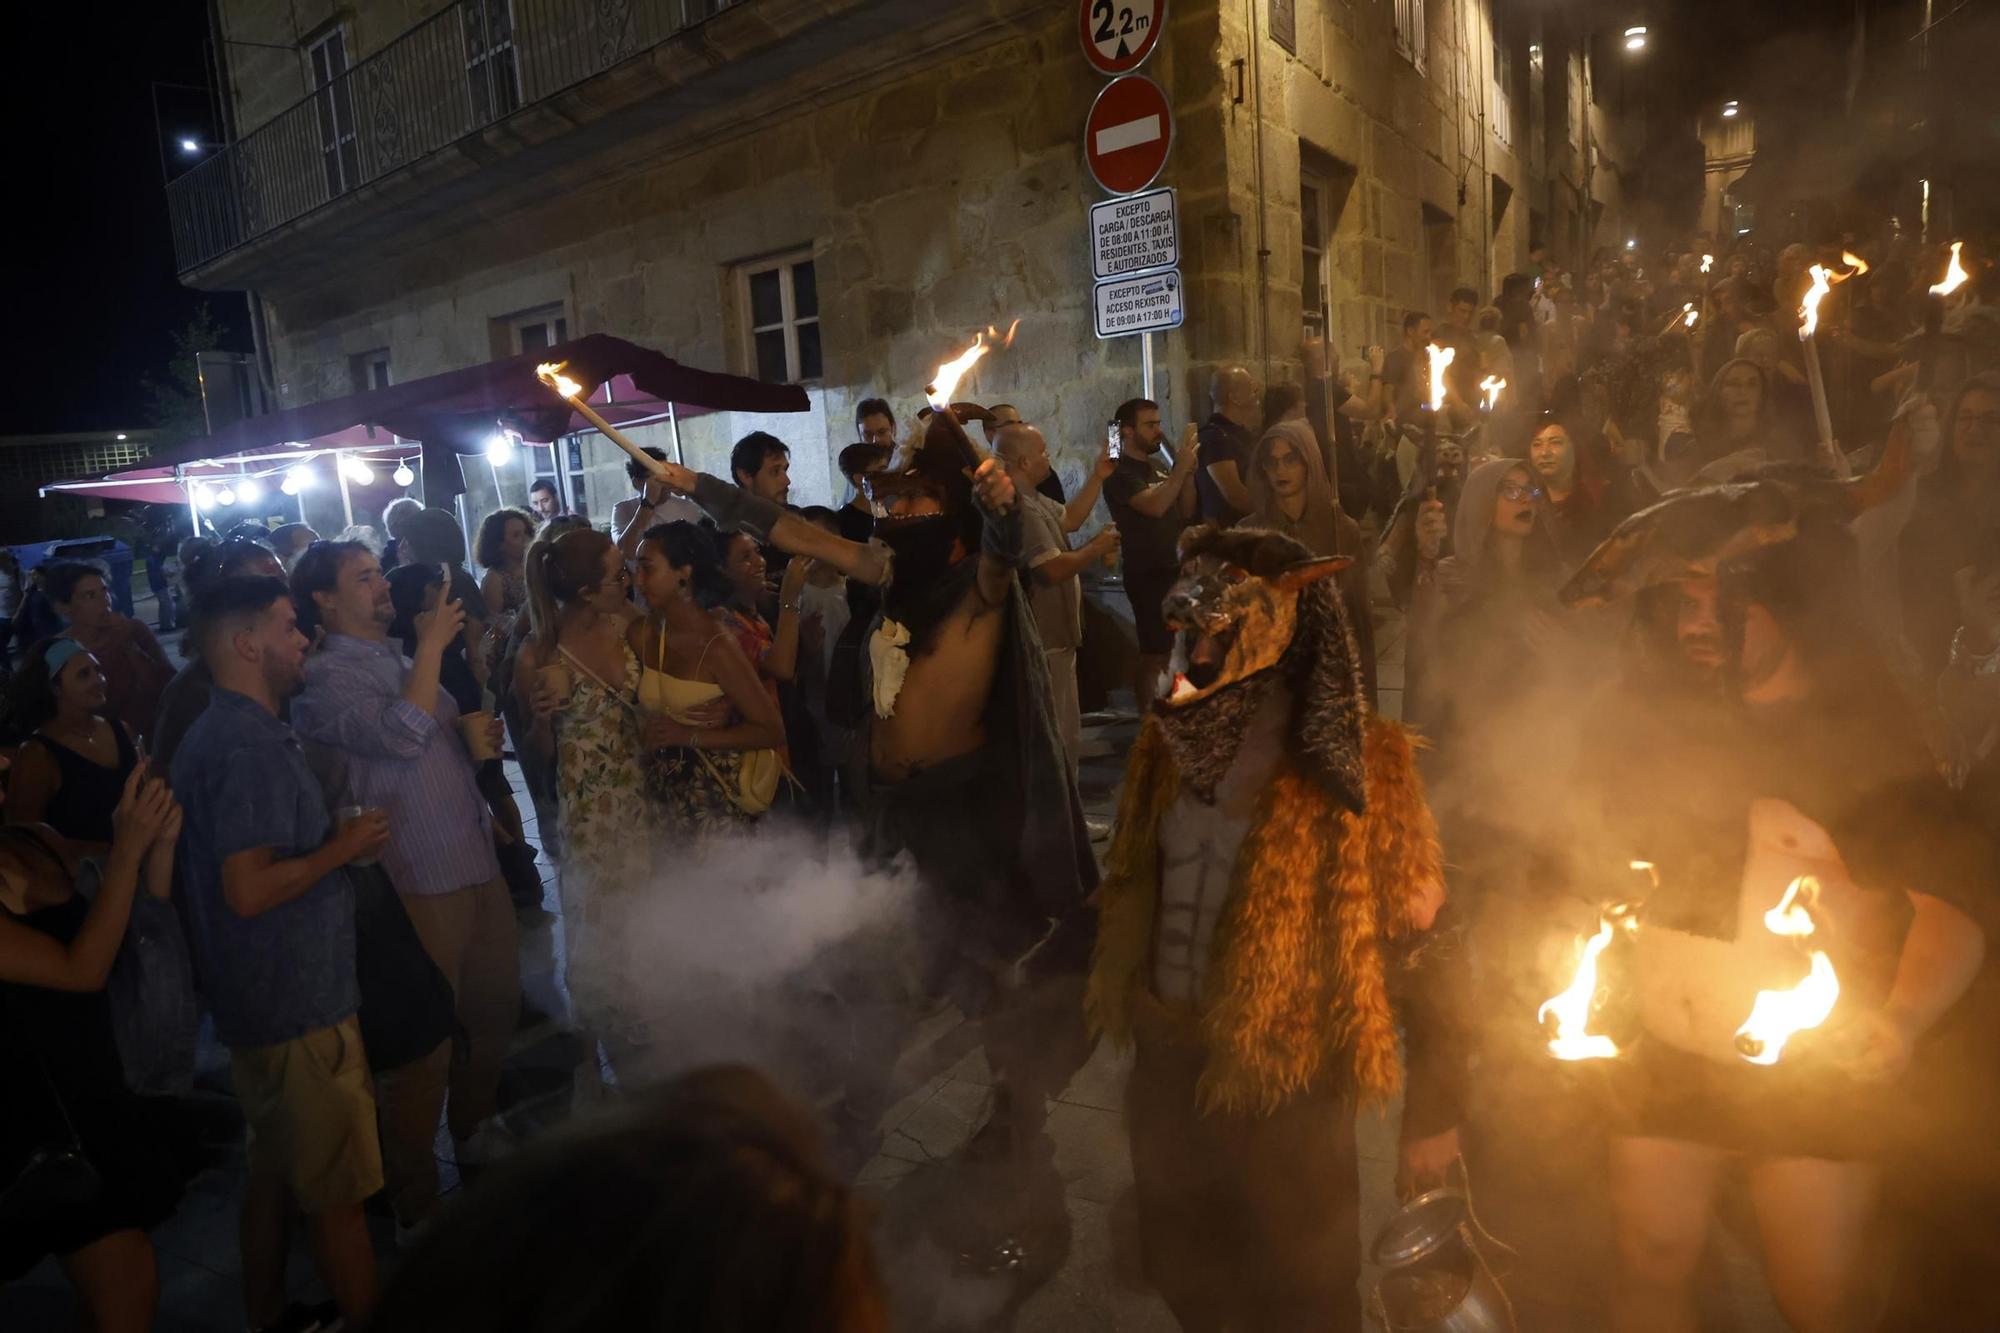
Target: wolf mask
1252, 608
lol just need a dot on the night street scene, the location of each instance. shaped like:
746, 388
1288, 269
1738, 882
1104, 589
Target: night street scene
1001, 666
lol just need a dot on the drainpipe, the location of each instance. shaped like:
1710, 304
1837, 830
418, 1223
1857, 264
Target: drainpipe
1263, 224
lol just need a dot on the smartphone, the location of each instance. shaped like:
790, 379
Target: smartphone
1114, 438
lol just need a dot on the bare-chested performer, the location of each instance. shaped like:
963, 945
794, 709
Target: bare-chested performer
966, 770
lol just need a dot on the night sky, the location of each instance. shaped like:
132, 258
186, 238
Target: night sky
92, 299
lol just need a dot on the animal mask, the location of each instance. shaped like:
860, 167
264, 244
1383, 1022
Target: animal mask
1251, 606
1690, 533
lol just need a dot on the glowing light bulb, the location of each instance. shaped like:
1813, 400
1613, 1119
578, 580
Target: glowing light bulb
225, 496
357, 471
250, 490
499, 447
402, 475
203, 499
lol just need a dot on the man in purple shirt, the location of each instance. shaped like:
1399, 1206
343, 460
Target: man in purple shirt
390, 737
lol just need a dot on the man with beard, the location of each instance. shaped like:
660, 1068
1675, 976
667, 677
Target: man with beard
967, 774
1150, 503
1763, 718
270, 914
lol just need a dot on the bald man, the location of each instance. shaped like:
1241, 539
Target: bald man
1002, 415
1051, 570
1237, 400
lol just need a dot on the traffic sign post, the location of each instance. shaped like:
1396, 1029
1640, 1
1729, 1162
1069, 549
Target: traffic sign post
1127, 134
1135, 250
1134, 234
1118, 35
1143, 305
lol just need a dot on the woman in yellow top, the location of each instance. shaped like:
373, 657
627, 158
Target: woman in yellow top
687, 662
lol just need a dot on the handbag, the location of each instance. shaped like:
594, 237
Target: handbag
55, 1185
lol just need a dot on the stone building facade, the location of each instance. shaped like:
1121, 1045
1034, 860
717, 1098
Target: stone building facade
842, 191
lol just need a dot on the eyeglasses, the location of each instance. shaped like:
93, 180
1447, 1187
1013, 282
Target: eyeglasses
1514, 490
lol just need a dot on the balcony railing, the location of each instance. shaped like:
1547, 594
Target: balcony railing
464, 68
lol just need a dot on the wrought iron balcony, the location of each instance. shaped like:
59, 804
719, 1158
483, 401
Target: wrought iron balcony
468, 66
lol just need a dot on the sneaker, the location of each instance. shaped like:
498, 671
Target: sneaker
488, 1144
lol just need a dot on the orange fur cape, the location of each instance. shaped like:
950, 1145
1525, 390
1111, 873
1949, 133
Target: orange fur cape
1297, 993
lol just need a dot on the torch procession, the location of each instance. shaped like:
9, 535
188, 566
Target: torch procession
1015, 667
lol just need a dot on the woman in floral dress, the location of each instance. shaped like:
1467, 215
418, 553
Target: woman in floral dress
580, 679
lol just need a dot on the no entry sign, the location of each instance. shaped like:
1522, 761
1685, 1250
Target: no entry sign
1127, 134
1118, 35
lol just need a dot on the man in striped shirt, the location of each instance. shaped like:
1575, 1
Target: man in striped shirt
391, 738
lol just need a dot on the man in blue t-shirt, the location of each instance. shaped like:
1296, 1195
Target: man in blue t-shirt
272, 924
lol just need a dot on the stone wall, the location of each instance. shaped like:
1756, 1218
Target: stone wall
934, 207
953, 197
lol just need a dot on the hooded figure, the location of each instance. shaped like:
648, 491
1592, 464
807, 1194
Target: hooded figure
1322, 526
1269, 918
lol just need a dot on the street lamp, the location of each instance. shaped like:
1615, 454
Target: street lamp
1635, 38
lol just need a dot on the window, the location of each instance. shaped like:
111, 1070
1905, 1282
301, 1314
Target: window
369, 370
335, 107
1312, 255
491, 74
537, 329
1503, 93
782, 298
1411, 37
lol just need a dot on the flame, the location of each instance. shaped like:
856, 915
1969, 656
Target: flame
1854, 261
1689, 315
550, 373
1491, 387
1707, 263
1440, 358
945, 382
1779, 1015
1822, 283
1573, 1039
1954, 275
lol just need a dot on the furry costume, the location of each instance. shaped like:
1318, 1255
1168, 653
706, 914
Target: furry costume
1326, 941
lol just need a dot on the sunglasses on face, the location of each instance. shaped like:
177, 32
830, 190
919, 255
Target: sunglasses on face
1514, 490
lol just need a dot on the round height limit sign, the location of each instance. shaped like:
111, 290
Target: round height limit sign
1118, 35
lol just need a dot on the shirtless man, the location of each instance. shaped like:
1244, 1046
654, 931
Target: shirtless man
967, 774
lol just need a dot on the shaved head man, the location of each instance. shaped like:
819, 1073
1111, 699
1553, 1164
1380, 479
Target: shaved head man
1051, 570
1237, 399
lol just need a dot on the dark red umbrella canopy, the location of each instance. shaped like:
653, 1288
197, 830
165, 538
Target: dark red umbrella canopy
460, 408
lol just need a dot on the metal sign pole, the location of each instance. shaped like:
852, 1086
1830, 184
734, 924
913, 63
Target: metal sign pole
674, 425
1146, 365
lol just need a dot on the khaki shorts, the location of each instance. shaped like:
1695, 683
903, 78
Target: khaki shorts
311, 1110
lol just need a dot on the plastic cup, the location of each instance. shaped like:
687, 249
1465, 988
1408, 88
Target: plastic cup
477, 728
347, 812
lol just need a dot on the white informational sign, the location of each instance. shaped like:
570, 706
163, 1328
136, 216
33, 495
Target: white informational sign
1134, 234
1143, 304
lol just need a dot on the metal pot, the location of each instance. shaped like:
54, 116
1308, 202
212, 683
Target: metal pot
1435, 1278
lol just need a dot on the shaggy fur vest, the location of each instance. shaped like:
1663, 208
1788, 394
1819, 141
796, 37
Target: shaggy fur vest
1297, 995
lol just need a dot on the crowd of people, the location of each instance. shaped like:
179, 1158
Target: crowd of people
1652, 610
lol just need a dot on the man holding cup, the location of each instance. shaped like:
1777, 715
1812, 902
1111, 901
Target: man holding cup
270, 917
400, 746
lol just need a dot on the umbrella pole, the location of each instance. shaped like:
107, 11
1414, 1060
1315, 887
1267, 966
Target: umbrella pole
674, 425
346, 500
194, 506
